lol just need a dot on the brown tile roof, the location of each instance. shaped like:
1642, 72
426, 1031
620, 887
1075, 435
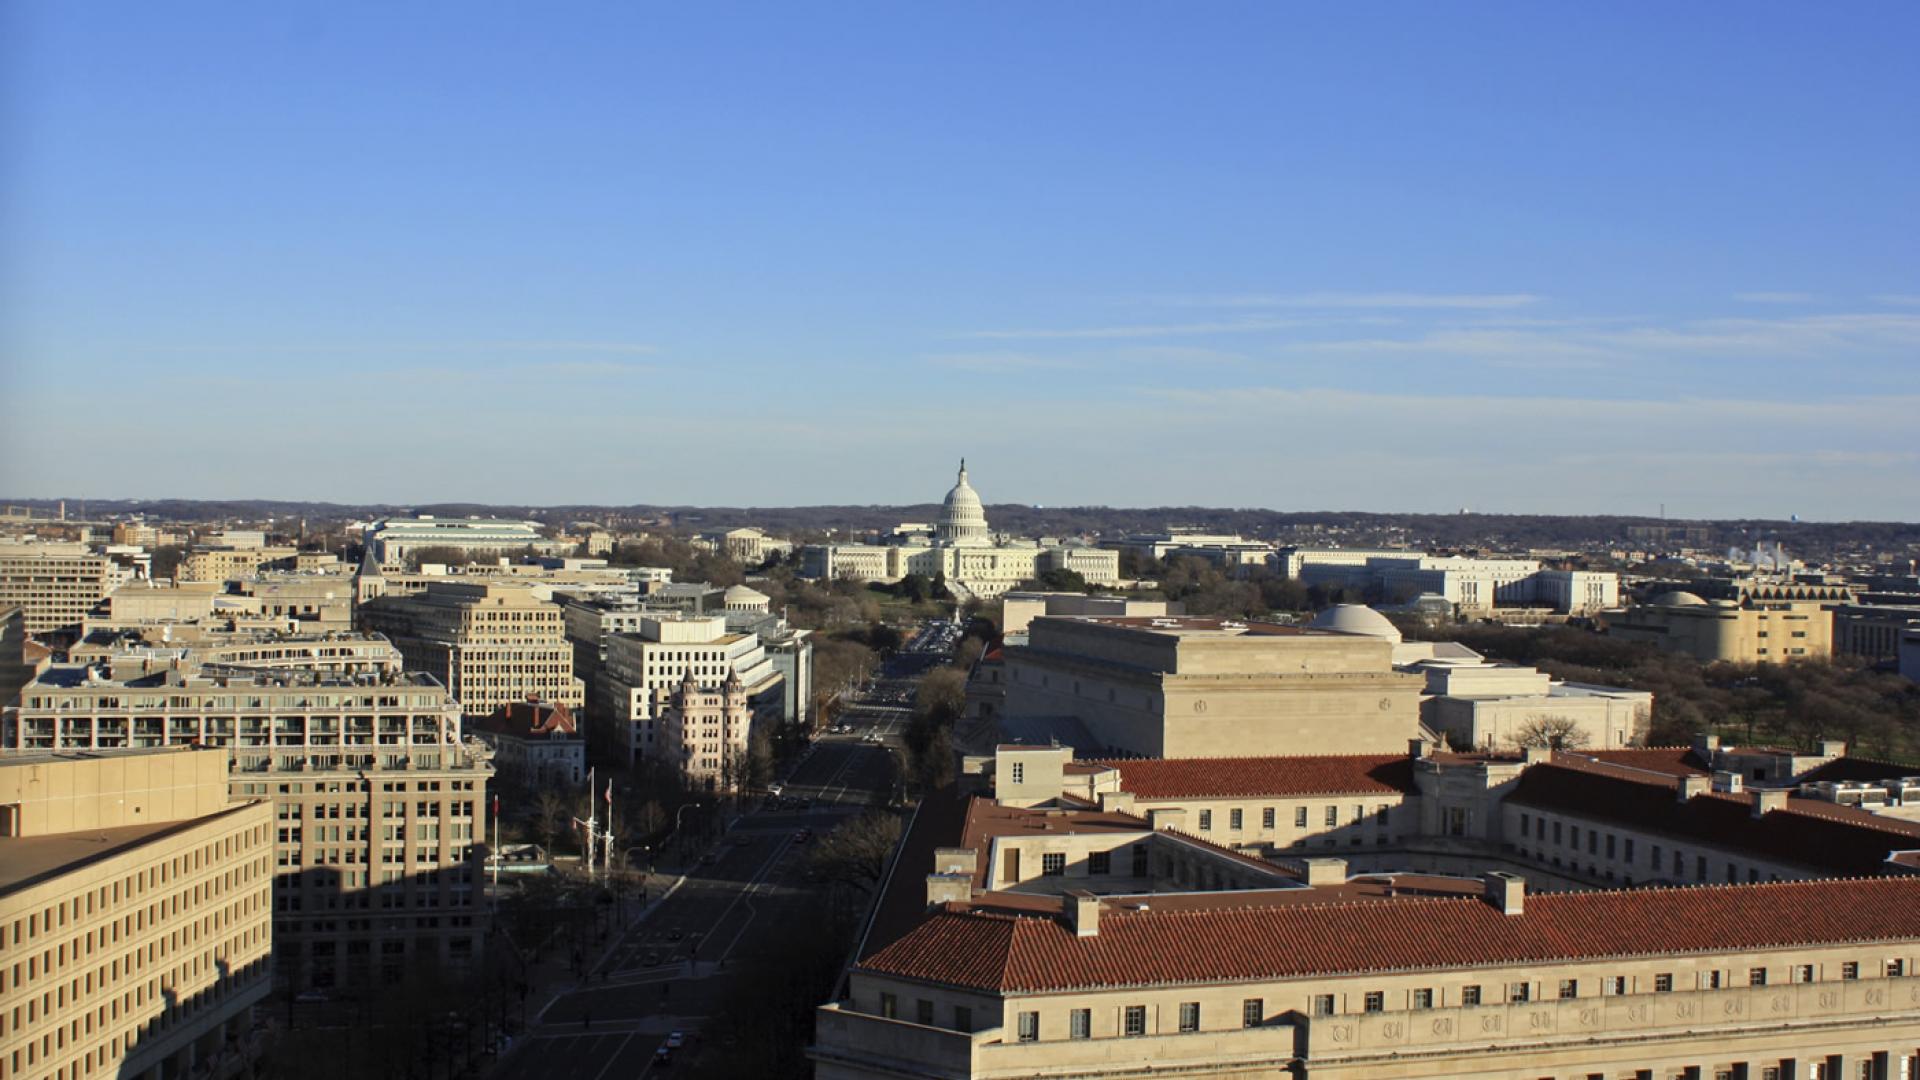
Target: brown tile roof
1850, 768
1823, 836
529, 720
1010, 953
1172, 778
1672, 760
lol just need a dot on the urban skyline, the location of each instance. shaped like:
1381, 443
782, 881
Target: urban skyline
1529, 261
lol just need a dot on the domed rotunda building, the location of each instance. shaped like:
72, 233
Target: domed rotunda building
964, 553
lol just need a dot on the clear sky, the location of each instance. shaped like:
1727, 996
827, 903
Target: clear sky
1514, 257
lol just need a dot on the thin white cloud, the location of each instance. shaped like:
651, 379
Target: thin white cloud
1332, 301
1134, 355
1109, 333
1774, 297
1897, 299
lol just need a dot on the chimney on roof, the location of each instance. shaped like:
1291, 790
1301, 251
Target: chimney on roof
1766, 800
1322, 872
1418, 748
949, 888
1704, 746
1691, 786
1083, 913
955, 860
1832, 748
1507, 892
1538, 755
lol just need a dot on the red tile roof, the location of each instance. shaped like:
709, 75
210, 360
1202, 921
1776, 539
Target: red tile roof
1164, 778
529, 720
1822, 836
1672, 760
1010, 953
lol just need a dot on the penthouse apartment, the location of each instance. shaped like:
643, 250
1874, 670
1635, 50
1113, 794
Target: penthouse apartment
1049, 916
135, 907
379, 799
490, 643
56, 584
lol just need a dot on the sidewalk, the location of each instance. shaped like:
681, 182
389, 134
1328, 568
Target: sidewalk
553, 978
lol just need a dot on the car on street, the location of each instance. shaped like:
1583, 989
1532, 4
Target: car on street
651, 959
802, 836
311, 997
676, 934
676, 1040
663, 1057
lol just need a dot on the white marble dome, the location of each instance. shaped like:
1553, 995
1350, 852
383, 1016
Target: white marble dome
741, 598
1678, 598
962, 518
1356, 619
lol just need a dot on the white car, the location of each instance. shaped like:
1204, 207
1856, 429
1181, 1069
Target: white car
676, 1040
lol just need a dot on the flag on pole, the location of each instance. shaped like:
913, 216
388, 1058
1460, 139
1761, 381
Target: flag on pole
496, 806
609, 791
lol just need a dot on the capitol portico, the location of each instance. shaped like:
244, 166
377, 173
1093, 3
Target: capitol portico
964, 552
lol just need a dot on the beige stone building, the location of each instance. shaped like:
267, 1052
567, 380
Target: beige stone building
707, 730
646, 669
135, 915
490, 643
56, 584
379, 798
1066, 918
217, 564
1740, 632
1207, 687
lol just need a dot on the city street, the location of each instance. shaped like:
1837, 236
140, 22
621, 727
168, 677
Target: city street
664, 972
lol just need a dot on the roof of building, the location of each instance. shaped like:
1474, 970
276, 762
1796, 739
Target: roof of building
1808, 832
528, 720
1253, 777
1678, 598
26, 861
1356, 619
1010, 953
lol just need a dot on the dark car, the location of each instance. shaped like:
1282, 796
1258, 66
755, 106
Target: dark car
663, 1057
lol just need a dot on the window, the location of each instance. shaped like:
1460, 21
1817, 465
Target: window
1423, 998
1569, 988
1053, 864
1849, 970
1019, 772
1300, 817
1206, 820
1139, 860
1470, 995
1520, 991
1626, 849
1233, 820
1376, 1001
1252, 1012
923, 1012
889, 1006
1136, 1020
1080, 1024
1803, 973
962, 1018
1100, 862
1323, 1004
1333, 815
1526, 825
1757, 977
1612, 840
1029, 1026
1383, 816
1662, 984
1896, 968
1654, 859
1617, 985
1700, 867
1712, 980
1556, 832
1266, 818
1189, 1016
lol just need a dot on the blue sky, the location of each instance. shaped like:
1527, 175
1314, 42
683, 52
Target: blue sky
1512, 257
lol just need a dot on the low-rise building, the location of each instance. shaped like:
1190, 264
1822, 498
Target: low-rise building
56, 584
1730, 631
396, 541
136, 906
537, 743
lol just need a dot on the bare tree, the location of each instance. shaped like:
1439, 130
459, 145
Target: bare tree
856, 853
1550, 732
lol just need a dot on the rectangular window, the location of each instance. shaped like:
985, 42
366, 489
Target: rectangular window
1713, 980
1053, 864
1617, 985
1526, 826
1700, 867
1849, 970
1423, 998
1470, 995
1803, 973
962, 1018
1100, 862
1626, 849
1136, 1020
1612, 840
1896, 969
1029, 1026
1757, 976
1019, 772
1300, 817
1663, 984
1520, 991
1266, 819
1140, 860
1233, 820
1189, 1016
1323, 1004
923, 1012
1569, 988
1376, 1001
889, 1006
1556, 832
1252, 1012
1333, 815
1654, 859
1206, 820
1080, 1024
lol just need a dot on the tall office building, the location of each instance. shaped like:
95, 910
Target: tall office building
56, 584
490, 643
135, 908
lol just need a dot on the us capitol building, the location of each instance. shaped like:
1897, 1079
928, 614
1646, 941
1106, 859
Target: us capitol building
961, 550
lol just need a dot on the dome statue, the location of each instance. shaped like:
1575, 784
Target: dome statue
962, 519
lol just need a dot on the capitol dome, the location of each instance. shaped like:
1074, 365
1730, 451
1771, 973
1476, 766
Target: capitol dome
1678, 598
962, 519
1356, 619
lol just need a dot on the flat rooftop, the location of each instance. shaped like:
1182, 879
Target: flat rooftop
29, 860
